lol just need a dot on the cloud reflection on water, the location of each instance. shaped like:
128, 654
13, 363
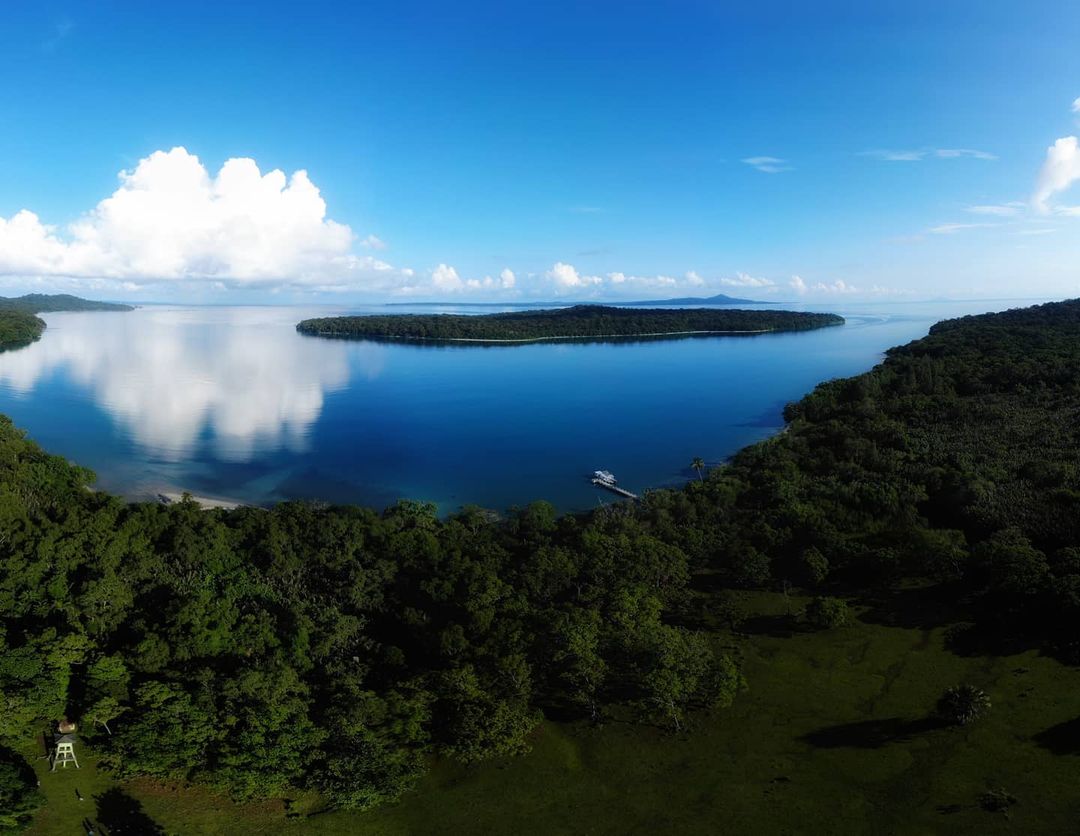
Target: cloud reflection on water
238, 379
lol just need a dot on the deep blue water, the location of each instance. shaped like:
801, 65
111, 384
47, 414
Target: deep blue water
233, 403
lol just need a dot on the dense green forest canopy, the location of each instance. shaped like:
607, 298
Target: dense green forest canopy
51, 303
580, 321
19, 328
337, 648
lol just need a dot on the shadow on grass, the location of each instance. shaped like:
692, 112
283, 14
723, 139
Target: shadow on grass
871, 734
776, 626
1062, 739
923, 608
121, 815
991, 637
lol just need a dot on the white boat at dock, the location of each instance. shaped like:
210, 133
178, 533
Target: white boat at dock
606, 479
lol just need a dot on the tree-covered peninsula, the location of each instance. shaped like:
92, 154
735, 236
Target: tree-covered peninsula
893, 577
577, 322
54, 302
43, 302
18, 328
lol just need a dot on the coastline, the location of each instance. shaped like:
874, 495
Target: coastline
576, 323
824, 421
567, 337
205, 502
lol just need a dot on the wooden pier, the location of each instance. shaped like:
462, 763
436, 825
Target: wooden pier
611, 486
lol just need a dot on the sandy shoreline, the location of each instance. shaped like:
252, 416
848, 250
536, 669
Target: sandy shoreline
206, 502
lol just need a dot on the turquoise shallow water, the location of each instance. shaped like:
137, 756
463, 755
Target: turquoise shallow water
233, 403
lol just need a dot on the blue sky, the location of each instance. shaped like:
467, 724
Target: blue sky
593, 150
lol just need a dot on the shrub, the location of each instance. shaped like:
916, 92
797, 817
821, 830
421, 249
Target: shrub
826, 613
750, 568
815, 566
19, 795
963, 704
997, 800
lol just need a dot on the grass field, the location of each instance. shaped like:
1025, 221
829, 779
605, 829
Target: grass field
832, 737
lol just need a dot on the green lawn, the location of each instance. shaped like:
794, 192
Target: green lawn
64, 811
830, 738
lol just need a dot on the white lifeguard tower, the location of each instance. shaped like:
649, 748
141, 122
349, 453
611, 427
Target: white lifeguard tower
64, 746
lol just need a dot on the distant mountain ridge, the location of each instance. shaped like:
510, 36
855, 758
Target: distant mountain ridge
718, 299
56, 302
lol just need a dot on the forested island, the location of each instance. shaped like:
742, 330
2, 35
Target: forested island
19, 326
896, 578
577, 322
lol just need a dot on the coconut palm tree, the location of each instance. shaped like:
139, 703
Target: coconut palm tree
699, 465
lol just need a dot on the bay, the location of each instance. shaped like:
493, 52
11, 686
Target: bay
232, 403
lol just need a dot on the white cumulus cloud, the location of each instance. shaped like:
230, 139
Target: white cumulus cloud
171, 219
566, 276
445, 277
799, 285
746, 280
1076, 105
1059, 171
839, 287
648, 282
507, 278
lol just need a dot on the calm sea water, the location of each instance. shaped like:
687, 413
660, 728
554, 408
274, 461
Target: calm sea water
233, 403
